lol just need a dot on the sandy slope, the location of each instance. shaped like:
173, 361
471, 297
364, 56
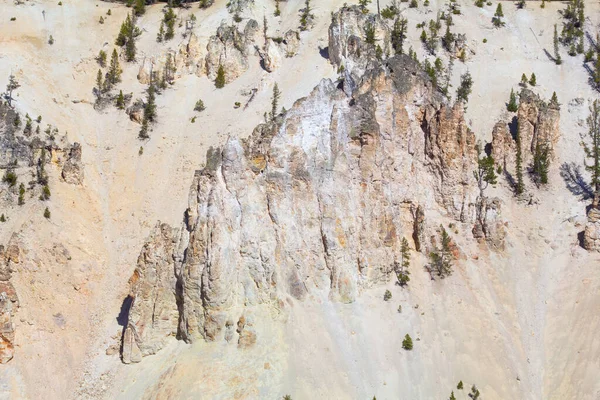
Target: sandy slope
530, 313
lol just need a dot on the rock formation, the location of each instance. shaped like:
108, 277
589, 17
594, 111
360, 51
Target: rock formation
305, 207
591, 234
72, 171
535, 121
230, 48
9, 301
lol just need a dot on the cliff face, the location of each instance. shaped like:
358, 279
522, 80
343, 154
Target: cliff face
313, 205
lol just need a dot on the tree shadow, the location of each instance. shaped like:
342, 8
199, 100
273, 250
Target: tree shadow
513, 127
324, 52
575, 182
550, 56
123, 316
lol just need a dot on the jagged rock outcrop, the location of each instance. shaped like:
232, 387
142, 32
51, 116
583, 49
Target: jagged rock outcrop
230, 48
347, 45
313, 205
591, 234
72, 170
153, 313
535, 121
291, 43
488, 223
9, 302
271, 56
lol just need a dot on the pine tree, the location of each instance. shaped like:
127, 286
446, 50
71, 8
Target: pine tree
554, 101
512, 103
102, 58
592, 147
541, 162
363, 5
596, 72
17, 120
169, 69
398, 35
277, 12
498, 15
169, 21
99, 84
161, 32
114, 71
140, 7
220, 79
520, 188
306, 16
275, 101
130, 49
460, 385
485, 174
21, 194
47, 213
13, 84
126, 28
150, 107
370, 33
452, 397
407, 343
441, 260
532, 81
120, 100
524, 80
464, 90
557, 58
402, 272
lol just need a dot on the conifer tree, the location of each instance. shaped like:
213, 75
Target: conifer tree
102, 58
114, 71
306, 16
464, 90
21, 194
17, 120
275, 101
130, 49
99, 84
532, 81
220, 79
498, 15
554, 101
520, 187
140, 7
452, 397
592, 147
524, 80
485, 173
401, 269
126, 27
407, 343
557, 58
13, 85
120, 100
398, 35
441, 260
150, 107
161, 32
460, 385
596, 71
277, 12
169, 21
512, 103
541, 162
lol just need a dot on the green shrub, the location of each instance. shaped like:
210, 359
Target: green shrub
220, 79
387, 296
199, 106
460, 385
407, 343
10, 177
45, 193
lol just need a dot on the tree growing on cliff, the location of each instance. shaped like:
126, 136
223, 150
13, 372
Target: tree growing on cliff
591, 147
306, 16
114, 71
498, 15
169, 21
120, 100
441, 259
12, 85
532, 80
520, 186
557, 58
370, 33
275, 102
485, 174
464, 90
220, 79
398, 35
149, 112
512, 103
401, 268
541, 162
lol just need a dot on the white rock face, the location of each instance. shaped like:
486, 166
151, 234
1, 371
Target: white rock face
313, 205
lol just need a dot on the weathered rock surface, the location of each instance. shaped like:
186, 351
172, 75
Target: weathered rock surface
313, 205
488, 223
591, 234
291, 42
271, 56
72, 171
9, 302
536, 121
230, 48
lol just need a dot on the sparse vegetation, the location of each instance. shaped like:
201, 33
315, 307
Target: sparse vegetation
512, 103
169, 21
199, 107
220, 79
532, 80
541, 161
12, 85
573, 25
591, 147
306, 16
398, 35
464, 90
460, 385
387, 296
275, 101
498, 15
440, 261
47, 213
407, 343
10, 178
557, 58
520, 186
485, 174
